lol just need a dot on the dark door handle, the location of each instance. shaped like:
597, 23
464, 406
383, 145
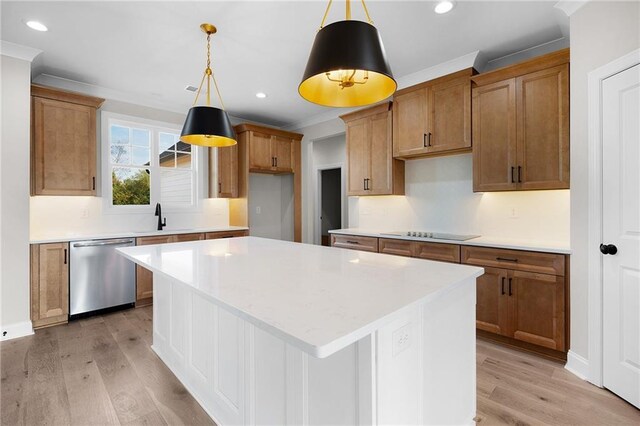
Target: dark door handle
519, 174
276, 158
424, 140
364, 184
608, 249
352, 242
502, 287
512, 178
94, 183
510, 293
429, 139
506, 259
65, 256
219, 187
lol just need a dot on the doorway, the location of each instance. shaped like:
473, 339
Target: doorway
330, 206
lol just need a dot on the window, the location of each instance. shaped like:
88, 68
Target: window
147, 164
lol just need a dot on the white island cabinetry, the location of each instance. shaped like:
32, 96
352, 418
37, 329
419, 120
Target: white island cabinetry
271, 332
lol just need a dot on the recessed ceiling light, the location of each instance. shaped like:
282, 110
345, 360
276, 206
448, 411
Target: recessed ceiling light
261, 95
443, 7
191, 88
38, 26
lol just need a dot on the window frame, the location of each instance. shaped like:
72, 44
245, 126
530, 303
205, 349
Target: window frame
154, 127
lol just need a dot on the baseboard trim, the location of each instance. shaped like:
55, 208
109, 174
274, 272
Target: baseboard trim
577, 365
13, 331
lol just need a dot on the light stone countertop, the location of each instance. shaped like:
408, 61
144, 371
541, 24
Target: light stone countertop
558, 247
319, 299
81, 237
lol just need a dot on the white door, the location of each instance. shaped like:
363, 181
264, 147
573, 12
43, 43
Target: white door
621, 233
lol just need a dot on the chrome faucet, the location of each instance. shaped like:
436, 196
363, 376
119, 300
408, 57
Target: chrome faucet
161, 223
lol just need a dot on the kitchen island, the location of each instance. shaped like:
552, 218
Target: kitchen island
271, 332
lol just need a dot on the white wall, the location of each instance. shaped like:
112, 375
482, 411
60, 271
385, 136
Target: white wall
439, 197
273, 196
600, 33
57, 217
14, 189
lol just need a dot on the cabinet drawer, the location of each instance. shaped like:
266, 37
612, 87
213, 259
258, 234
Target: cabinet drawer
188, 237
437, 251
226, 234
397, 247
355, 243
544, 263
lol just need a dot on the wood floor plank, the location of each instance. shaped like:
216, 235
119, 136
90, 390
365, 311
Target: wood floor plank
45, 401
14, 373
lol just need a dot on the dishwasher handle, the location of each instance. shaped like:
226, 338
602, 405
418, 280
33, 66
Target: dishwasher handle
103, 243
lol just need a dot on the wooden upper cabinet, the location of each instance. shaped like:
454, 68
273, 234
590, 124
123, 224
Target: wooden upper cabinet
49, 284
450, 115
434, 117
521, 125
494, 136
260, 157
410, 123
271, 150
543, 129
223, 172
63, 142
372, 168
357, 156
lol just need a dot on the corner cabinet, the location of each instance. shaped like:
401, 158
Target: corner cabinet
63, 142
49, 284
433, 118
521, 126
371, 166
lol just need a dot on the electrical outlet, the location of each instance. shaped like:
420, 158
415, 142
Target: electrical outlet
84, 213
258, 210
401, 339
514, 213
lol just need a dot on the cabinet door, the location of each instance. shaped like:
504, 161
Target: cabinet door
543, 129
144, 277
49, 284
494, 137
381, 155
227, 173
260, 157
357, 156
449, 115
282, 150
64, 148
438, 251
537, 308
179, 238
226, 234
397, 247
492, 301
410, 123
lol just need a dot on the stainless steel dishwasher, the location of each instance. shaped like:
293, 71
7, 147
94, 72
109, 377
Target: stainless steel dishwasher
100, 278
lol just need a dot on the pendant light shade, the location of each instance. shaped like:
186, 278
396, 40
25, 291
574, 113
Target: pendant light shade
207, 125
347, 66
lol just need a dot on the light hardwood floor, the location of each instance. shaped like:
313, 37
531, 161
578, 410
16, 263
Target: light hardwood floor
102, 371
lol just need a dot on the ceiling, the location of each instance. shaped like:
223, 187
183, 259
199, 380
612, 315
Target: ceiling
152, 50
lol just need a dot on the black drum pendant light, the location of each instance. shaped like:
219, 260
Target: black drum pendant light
207, 125
347, 66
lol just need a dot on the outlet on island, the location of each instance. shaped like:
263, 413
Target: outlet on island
401, 339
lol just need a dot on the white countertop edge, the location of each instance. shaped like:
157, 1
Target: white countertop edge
329, 348
72, 238
479, 241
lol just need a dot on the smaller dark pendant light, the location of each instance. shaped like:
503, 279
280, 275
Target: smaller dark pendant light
347, 65
207, 125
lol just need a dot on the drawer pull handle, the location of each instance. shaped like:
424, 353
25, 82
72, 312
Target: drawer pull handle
502, 287
510, 293
352, 242
65, 256
506, 259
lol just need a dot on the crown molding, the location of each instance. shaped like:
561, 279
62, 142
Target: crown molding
569, 7
117, 95
18, 51
457, 64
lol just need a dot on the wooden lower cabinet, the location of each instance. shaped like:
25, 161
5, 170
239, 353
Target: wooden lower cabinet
49, 284
354, 242
180, 238
226, 234
521, 307
397, 247
437, 251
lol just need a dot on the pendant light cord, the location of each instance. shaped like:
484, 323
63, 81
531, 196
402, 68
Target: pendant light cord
347, 12
209, 75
